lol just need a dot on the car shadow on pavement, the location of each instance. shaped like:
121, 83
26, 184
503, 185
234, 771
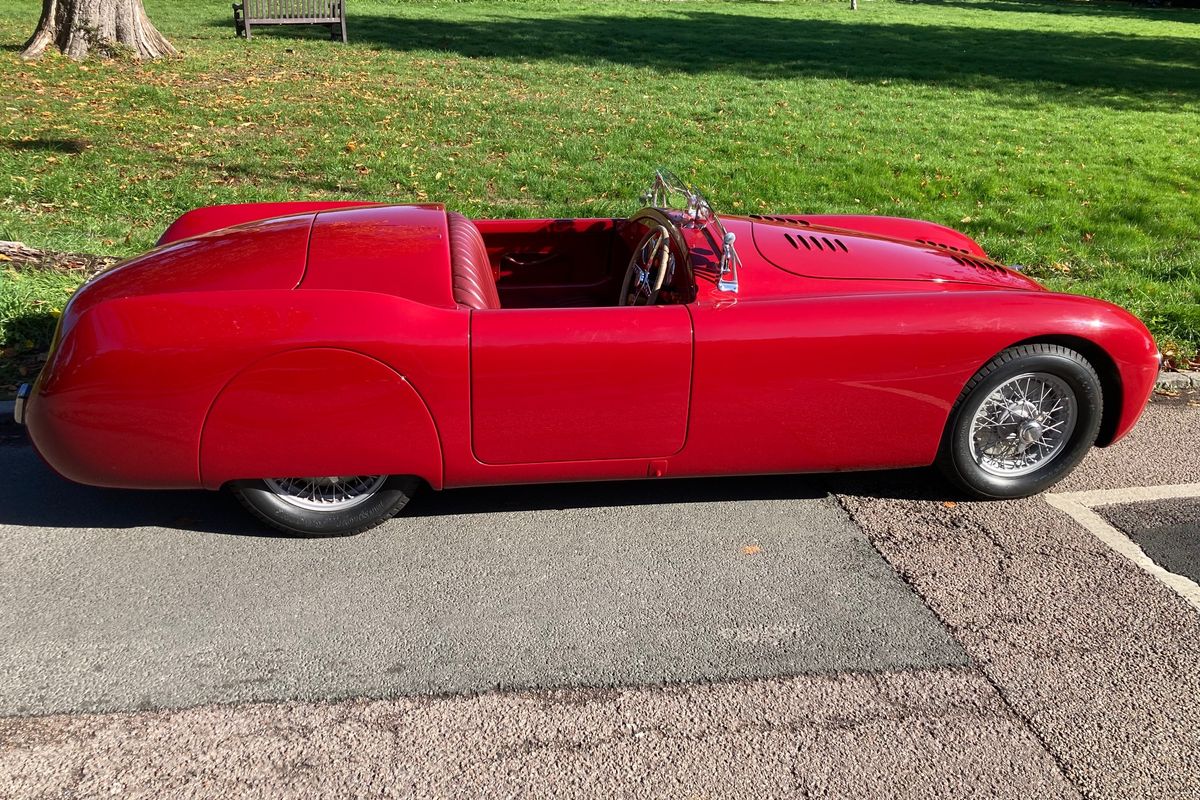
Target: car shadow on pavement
36, 497
561, 496
920, 484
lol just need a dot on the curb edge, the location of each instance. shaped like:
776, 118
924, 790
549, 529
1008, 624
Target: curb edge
1177, 380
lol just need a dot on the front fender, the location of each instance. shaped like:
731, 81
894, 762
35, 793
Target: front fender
318, 411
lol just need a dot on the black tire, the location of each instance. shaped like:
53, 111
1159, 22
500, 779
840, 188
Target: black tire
379, 507
958, 463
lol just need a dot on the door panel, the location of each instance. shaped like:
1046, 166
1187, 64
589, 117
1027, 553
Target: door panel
565, 384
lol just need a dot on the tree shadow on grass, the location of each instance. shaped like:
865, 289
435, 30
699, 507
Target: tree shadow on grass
1080, 8
257, 174
34, 327
47, 145
27, 337
1105, 69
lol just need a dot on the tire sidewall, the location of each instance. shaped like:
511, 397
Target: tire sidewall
280, 514
1088, 400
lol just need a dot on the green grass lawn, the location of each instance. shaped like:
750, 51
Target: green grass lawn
1062, 135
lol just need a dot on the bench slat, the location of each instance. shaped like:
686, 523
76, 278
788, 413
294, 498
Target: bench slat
294, 12
258, 10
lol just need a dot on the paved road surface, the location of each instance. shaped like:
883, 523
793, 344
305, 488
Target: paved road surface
1081, 679
523, 588
1096, 655
1167, 530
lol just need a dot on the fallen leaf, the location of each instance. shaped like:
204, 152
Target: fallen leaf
751, 550
949, 504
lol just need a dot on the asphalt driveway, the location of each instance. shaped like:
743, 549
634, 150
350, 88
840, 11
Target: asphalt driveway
116, 600
677, 639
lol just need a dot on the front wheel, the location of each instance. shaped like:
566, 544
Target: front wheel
1023, 422
339, 505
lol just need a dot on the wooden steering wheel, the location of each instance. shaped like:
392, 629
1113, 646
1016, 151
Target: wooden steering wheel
648, 268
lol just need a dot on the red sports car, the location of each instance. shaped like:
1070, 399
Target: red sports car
324, 360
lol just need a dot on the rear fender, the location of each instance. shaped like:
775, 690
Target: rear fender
316, 412
211, 218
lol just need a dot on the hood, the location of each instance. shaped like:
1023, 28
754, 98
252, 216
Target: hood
819, 251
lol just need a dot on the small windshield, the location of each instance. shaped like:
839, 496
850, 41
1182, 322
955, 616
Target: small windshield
669, 191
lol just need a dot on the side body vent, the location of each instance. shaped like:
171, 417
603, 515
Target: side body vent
836, 253
987, 266
781, 220
941, 245
820, 243
961, 256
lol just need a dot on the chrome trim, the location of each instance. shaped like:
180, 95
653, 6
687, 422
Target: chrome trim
23, 393
697, 212
1023, 424
334, 493
729, 263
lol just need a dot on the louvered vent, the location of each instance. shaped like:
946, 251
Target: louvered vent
977, 264
960, 257
941, 245
821, 243
781, 220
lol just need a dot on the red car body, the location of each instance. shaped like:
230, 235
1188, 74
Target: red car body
325, 339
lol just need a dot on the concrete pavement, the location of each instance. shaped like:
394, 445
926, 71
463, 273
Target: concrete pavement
923, 734
1101, 660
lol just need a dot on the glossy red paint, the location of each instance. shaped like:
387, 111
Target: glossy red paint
895, 228
213, 218
328, 342
626, 371
271, 255
125, 398
295, 389
400, 250
816, 252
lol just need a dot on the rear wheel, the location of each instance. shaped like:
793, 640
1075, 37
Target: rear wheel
339, 505
1023, 422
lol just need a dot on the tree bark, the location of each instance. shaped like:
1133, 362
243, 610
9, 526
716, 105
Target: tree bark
78, 28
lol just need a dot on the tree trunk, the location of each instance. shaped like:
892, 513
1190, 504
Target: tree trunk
108, 27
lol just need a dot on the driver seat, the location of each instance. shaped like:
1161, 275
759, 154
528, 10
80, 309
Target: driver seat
470, 270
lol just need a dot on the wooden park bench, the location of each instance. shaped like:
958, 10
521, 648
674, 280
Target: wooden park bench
291, 12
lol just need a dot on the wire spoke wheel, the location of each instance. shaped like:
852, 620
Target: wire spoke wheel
335, 493
1023, 424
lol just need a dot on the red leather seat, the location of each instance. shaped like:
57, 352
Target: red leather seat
470, 270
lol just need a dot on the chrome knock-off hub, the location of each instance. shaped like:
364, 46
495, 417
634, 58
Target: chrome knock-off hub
1023, 424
